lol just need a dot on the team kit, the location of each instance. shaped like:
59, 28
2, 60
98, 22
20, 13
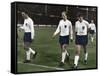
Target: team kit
65, 32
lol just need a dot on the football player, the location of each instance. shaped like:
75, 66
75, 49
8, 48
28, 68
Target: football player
66, 33
92, 30
28, 28
81, 40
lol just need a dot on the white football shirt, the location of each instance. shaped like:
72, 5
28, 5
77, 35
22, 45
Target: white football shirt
28, 26
81, 27
92, 26
64, 27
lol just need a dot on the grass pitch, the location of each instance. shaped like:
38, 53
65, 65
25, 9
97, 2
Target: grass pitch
49, 54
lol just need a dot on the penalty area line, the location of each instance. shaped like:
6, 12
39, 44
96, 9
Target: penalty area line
41, 66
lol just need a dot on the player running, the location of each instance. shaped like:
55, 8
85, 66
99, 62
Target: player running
28, 28
92, 30
81, 29
65, 30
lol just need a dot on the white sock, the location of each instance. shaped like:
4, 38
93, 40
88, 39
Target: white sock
63, 56
32, 51
76, 60
67, 53
92, 39
86, 56
28, 55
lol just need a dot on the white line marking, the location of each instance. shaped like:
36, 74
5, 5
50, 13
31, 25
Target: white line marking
42, 66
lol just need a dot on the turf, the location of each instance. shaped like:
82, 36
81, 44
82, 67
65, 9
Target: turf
49, 53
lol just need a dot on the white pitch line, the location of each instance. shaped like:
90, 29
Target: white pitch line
42, 66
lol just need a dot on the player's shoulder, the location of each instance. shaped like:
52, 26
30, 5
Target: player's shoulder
30, 19
85, 21
90, 24
68, 21
61, 20
77, 22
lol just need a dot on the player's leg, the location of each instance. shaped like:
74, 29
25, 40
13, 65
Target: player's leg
85, 54
64, 47
78, 42
64, 52
85, 41
30, 49
27, 52
92, 37
64, 41
33, 52
76, 58
27, 43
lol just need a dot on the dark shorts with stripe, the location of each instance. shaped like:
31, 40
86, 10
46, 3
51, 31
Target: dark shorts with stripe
27, 37
92, 32
64, 40
81, 40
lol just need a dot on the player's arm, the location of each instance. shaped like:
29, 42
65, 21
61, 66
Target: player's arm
57, 31
95, 28
21, 26
76, 29
71, 31
32, 29
88, 26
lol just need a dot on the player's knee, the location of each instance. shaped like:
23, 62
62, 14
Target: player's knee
77, 52
84, 47
64, 47
77, 49
26, 46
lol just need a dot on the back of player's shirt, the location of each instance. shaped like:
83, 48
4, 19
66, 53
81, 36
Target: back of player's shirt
81, 27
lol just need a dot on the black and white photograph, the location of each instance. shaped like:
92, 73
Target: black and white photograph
53, 37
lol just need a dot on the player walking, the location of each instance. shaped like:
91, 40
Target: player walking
28, 28
92, 30
65, 29
81, 29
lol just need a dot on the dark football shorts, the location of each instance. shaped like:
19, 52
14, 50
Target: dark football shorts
64, 40
92, 32
81, 40
27, 37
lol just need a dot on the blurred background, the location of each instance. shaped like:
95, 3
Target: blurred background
50, 14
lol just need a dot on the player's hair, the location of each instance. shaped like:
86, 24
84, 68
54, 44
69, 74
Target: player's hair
64, 12
79, 15
20, 12
24, 13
